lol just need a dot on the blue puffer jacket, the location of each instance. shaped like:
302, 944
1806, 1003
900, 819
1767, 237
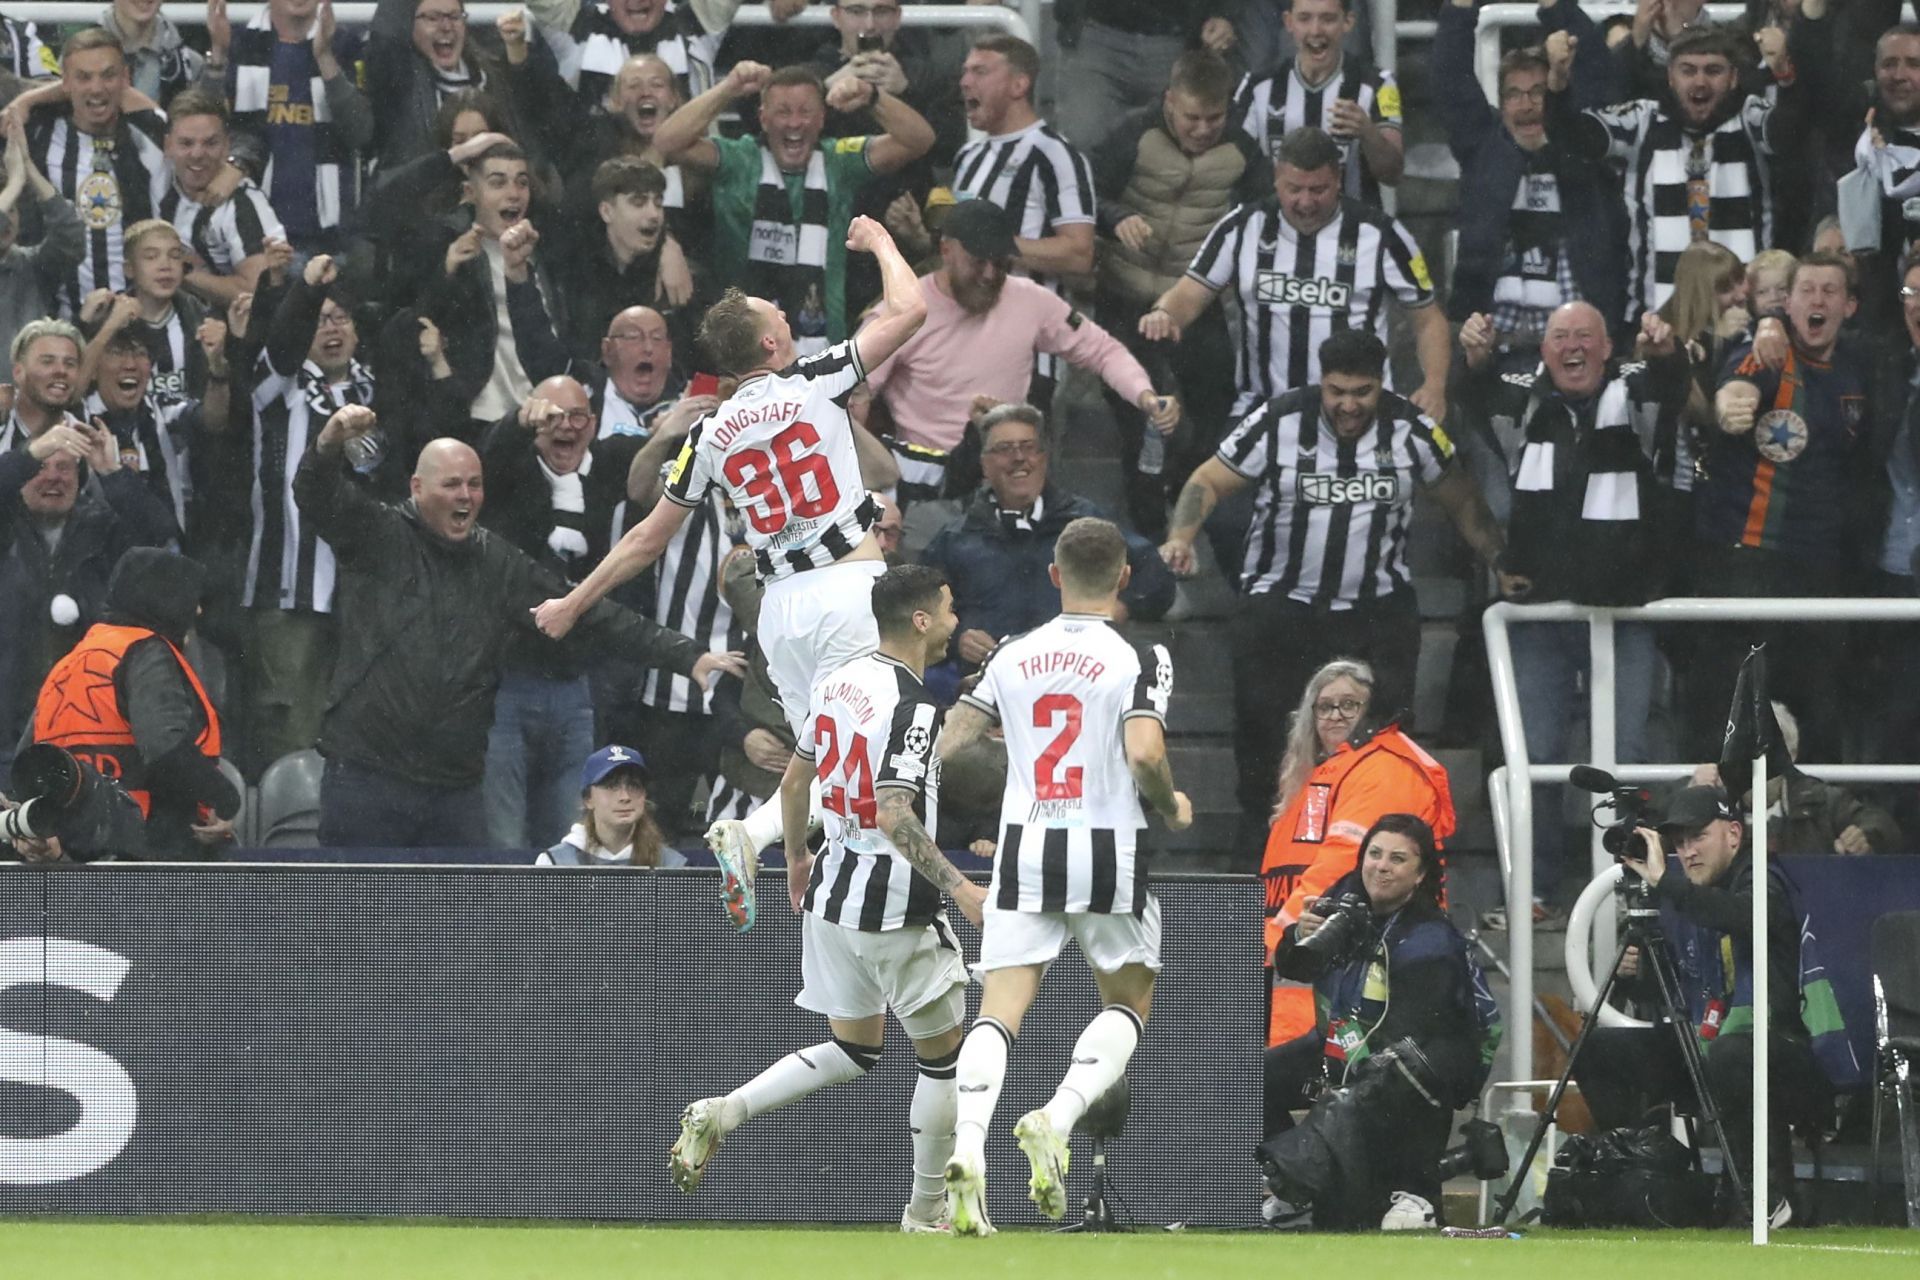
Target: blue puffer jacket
1491, 164
999, 572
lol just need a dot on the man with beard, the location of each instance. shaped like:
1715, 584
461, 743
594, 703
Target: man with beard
1534, 231
1697, 169
782, 203
46, 381
1358, 106
1583, 527
431, 605
983, 329
1791, 498
1335, 469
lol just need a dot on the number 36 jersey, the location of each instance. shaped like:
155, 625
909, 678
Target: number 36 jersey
871, 725
1071, 819
782, 449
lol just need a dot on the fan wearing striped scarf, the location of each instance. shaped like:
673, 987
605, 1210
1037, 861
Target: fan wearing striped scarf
1699, 169
782, 202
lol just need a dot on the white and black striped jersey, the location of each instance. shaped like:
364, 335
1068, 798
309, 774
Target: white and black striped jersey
1296, 290
113, 182
1330, 515
1271, 106
24, 53
1035, 174
156, 436
687, 599
179, 364
1660, 164
870, 725
1070, 823
1895, 169
592, 51
223, 235
782, 449
288, 565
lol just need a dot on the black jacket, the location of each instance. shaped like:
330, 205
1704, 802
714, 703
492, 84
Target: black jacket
161, 591
425, 625
463, 305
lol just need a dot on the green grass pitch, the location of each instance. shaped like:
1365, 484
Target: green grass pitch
81, 1250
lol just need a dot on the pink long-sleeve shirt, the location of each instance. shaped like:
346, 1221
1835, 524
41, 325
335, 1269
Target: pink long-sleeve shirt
930, 383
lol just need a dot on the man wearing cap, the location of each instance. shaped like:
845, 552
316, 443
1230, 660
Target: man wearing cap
982, 331
616, 827
1702, 879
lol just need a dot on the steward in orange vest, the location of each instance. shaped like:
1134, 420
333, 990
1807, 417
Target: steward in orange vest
1317, 840
125, 701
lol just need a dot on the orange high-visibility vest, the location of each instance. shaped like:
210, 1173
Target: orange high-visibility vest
79, 708
1317, 840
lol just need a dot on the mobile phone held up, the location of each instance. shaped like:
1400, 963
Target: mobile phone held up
869, 42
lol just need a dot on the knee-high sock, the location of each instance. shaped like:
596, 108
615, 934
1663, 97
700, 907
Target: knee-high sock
1099, 1059
981, 1070
795, 1076
764, 825
935, 1102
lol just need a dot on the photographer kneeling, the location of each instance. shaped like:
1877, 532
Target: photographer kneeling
1406, 1032
1707, 913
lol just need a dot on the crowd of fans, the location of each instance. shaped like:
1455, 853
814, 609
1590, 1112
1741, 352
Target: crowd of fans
1673, 353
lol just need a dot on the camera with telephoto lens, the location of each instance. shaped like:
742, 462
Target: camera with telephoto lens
62, 797
1482, 1152
1346, 918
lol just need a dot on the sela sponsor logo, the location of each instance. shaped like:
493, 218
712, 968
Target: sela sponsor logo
1322, 490
108, 1105
1277, 289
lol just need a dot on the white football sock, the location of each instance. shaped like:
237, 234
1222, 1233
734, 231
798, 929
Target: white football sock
765, 827
980, 1072
935, 1100
1099, 1060
794, 1077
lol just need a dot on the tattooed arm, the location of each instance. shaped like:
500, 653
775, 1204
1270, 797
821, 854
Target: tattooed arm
964, 731
1147, 762
898, 824
1211, 481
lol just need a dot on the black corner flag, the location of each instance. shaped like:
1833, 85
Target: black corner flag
1751, 728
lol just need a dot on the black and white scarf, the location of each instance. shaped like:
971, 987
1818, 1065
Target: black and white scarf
568, 537
333, 172
787, 260
1612, 462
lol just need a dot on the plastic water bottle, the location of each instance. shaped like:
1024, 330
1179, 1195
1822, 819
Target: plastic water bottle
1153, 451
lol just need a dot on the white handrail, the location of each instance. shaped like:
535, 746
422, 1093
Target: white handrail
1495, 18
1516, 841
358, 13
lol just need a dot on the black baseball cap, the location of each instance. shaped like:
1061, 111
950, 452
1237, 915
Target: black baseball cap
982, 228
1692, 809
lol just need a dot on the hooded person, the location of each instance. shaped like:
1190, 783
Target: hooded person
126, 701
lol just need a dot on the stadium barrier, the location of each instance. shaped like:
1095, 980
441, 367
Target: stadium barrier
495, 1042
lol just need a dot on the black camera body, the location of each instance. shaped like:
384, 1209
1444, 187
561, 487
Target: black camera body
1346, 921
64, 798
1632, 809
869, 42
1482, 1152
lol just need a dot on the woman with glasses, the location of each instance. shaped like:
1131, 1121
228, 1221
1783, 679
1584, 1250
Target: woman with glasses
1342, 770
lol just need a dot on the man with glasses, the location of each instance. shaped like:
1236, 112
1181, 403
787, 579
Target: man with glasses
1533, 224
984, 327
1334, 469
995, 556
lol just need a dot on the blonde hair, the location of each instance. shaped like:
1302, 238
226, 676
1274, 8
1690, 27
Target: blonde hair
1771, 260
1303, 743
146, 229
1705, 269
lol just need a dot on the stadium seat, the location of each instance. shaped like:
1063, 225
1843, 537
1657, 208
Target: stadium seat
1896, 997
242, 821
289, 802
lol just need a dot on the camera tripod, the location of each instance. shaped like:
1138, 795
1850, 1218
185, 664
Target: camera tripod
1643, 931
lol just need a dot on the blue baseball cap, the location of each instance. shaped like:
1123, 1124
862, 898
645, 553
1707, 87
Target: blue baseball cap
610, 759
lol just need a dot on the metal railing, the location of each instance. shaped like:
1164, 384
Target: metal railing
1514, 818
1022, 22
1496, 18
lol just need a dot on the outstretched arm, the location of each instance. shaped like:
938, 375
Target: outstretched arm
898, 824
639, 547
